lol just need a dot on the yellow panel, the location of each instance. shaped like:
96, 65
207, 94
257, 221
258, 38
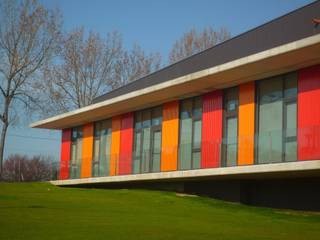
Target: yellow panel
170, 133
115, 145
246, 124
87, 146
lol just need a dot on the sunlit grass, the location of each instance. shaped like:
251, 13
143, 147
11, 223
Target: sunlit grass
42, 211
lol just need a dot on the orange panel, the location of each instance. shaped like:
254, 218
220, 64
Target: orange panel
246, 124
170, 132
115, 145
87, 146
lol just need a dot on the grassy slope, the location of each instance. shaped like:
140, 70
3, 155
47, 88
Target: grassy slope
42, 211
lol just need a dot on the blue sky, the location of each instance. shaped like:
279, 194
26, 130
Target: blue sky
155, 25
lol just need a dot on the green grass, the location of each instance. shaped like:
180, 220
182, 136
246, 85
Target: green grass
42, 211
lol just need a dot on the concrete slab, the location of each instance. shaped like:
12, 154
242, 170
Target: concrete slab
300, 168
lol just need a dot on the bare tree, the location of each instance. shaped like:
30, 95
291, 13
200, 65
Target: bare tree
21, 168
88, 66
194, 41
27, 37
81, 72
133, 65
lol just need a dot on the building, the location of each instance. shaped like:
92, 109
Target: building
239, 121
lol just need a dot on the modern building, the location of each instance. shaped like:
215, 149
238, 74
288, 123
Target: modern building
239, 121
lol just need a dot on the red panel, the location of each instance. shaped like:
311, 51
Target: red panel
211, 129
65, 154
309, 113
126, 144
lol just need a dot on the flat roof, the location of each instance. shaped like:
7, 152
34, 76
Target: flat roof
282, 45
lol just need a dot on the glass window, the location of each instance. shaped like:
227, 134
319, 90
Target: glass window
95, 160
230, 146
231, 99
291, 119
291, 85
73, 161
190, 133
147, 140
231, 139
95, 170
105, 148
270, 120
156, 151
185, 135
157, 116
138, 120
186, 109
196, 158
197, 107
76, 152
291, 132
101, 148
197, 126
146, 118
277, 121
137, 152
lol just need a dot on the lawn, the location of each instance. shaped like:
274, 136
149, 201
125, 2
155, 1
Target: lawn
42, 211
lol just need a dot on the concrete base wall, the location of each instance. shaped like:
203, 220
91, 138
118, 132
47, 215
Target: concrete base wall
289, 193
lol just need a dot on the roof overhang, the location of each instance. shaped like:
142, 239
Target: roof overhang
278, 60
260, 171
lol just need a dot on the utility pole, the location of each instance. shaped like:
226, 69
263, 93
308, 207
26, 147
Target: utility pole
19, 169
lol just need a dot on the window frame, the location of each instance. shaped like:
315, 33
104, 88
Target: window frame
153, 128
193, 118
226, 115
285, 101
95, 138
98, 137
73, 167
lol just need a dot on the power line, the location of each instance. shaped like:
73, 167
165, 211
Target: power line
24, 151
32, 137
14, 148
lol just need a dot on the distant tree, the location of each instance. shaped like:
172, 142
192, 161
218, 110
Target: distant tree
194, 41
87, 67
133, 65
21, 168
28, 33
81, 72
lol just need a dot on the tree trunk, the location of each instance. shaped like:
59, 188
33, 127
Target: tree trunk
2, 143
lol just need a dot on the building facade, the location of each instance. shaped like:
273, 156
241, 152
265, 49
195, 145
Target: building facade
248, 108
